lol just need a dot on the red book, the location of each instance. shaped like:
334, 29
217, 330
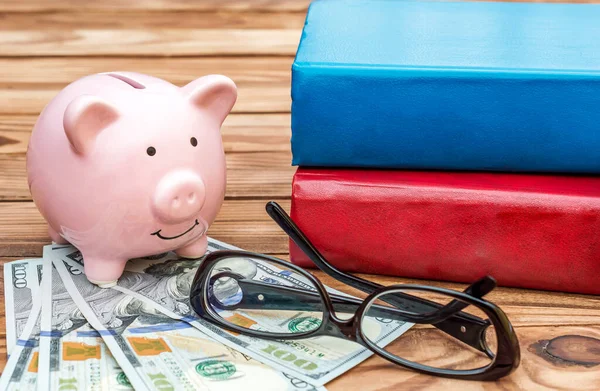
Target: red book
529, 231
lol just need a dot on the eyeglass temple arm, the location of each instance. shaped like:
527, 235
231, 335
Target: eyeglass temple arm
284, 221
453, 326
478, 289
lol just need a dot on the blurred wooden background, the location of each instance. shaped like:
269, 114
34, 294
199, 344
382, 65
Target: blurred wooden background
46, 44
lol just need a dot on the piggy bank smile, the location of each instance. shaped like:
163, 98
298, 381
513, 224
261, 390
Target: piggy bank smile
157, 233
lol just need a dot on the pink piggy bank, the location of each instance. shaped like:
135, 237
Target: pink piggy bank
125, 165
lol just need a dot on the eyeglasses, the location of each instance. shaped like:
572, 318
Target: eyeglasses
456, 334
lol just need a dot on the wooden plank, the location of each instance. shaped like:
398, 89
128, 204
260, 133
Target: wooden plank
149, 35
48, 73
148, 43
159, 5
251, 99
240, 132
149, 20
245, 224
263, 83
254, 174
131, 33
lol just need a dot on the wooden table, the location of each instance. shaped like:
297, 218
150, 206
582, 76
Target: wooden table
46, 44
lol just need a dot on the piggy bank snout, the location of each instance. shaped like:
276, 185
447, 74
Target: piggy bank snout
179, 196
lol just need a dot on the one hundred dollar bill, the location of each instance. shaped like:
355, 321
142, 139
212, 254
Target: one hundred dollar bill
72, 354
165, 353
21, 283
21, 369
162, 284
140, 373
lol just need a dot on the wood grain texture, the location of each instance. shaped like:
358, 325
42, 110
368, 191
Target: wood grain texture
47, 73
46, 44
129, 34
148, 19
157, 5
263, 82
148, 43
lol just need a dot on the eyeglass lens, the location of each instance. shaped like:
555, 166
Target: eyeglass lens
425, 344
264, 296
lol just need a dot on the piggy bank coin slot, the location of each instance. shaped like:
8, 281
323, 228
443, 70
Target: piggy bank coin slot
133, 83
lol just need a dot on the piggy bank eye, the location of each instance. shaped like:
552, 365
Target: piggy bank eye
193, 141
151, 151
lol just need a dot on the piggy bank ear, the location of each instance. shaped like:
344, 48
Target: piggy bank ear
84, 118
214, 93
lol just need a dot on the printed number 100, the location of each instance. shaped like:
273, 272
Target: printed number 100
290, 357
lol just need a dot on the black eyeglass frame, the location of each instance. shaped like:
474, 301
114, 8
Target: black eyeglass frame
448, 318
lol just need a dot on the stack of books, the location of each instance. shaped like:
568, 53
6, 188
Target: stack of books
447, 141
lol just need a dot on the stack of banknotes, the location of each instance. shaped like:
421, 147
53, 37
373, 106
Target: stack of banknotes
65, 333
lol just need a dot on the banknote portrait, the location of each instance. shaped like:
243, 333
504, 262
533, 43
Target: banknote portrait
114, 309
177, 275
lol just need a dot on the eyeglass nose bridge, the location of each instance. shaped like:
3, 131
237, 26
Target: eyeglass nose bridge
336, 327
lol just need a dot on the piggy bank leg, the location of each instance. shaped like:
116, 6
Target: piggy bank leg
102, 272
195, 249
56, 238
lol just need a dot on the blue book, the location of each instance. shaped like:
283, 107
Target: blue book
440, 85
